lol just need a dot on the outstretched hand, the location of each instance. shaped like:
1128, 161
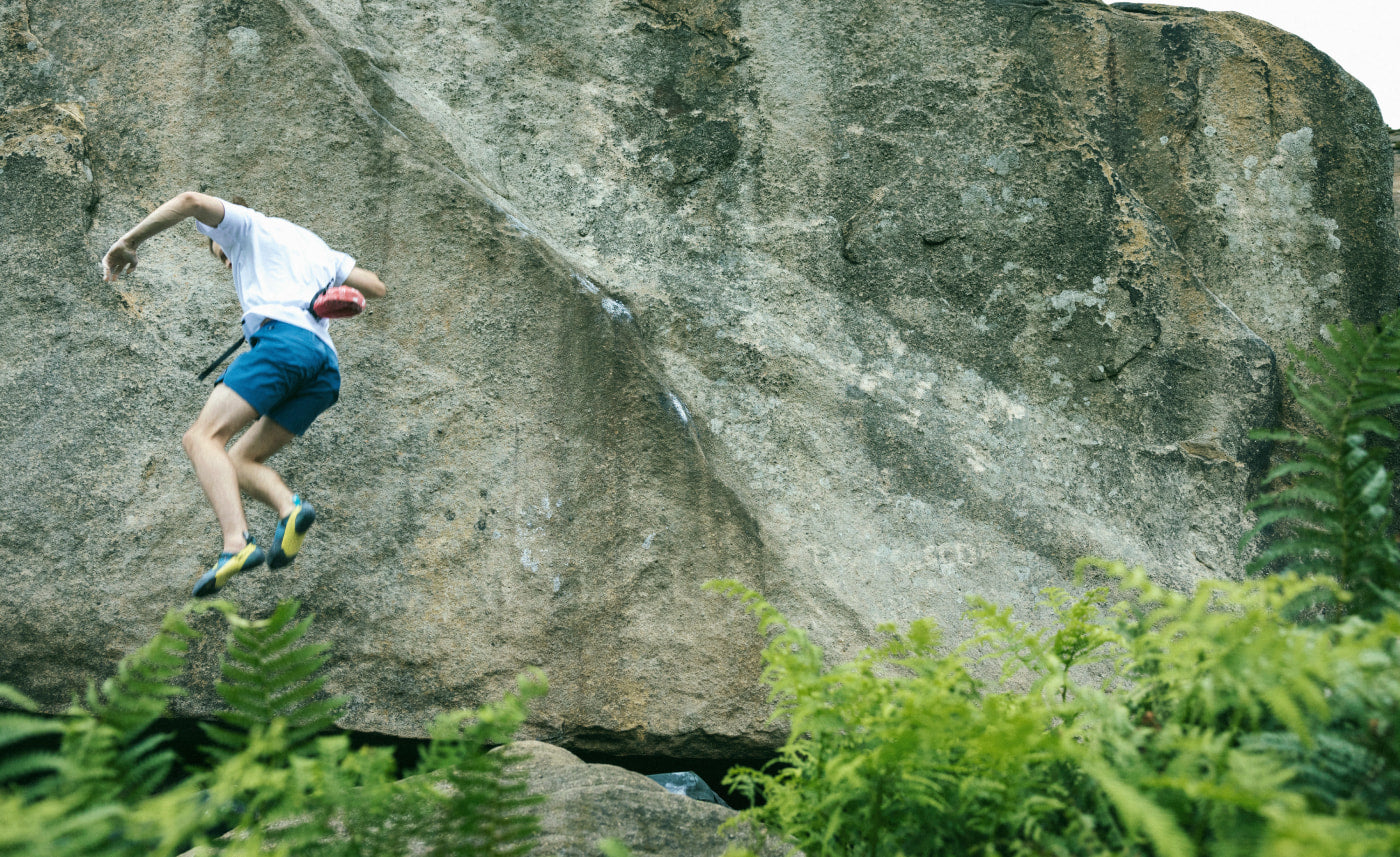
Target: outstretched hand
121, 259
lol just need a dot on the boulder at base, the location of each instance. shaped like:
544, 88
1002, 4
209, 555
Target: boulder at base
585, 803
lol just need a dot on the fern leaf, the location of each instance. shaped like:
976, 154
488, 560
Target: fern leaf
286, 702
114, 751
1340, 487
1379, 401
1285, 508
1310, 491
227, 741
270, 674
19, 728
293, 658
1305, 466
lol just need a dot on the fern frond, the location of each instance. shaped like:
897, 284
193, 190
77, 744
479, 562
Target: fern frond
1299, 555
1376, 402
1340, 489
61, 826
1276, 434
486, 806
108, 743
136, 696
21, 764
1305, 466
269, 674
1332, 365
147, 762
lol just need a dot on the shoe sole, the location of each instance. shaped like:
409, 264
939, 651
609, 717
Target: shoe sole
218, 577
205, 585
285, 549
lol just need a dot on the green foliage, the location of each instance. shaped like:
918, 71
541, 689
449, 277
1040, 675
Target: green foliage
612, 847
1332, 498
111, 751
469, 800
17, 762
101, 792
276, 786
1142, 722
269, 674
461, 799
898, 752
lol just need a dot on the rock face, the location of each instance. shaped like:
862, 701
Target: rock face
1395, 186
869, 305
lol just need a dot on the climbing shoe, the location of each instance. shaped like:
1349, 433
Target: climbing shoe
291, 531
228, 565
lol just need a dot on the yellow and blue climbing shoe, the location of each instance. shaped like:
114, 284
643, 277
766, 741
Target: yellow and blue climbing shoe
228, 565
291, 531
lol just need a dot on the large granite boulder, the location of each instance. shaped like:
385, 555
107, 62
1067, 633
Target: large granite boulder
869, 305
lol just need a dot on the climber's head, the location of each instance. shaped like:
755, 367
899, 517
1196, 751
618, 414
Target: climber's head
214, 249
218, 253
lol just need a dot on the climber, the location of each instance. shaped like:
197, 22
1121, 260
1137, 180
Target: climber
288, 377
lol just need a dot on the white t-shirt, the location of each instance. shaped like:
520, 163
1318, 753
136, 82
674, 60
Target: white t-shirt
277, 268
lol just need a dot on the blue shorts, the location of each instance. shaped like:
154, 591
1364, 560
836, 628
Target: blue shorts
289, 375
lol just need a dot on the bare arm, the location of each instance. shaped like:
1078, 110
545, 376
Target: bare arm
121, 258
367, 282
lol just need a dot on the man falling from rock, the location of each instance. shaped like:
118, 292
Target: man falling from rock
287, 378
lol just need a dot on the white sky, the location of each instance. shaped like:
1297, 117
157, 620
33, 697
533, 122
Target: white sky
1363, 36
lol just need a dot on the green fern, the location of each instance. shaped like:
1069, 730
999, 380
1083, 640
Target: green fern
899, 751
269, 674
108, 743
57, 826
485, 807
277, 787
19, 763
1332, 499
1331, 772
84, 799
1212, 725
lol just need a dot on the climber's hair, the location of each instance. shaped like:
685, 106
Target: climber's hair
209, 242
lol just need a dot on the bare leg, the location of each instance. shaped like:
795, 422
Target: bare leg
223, 415
257, 480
